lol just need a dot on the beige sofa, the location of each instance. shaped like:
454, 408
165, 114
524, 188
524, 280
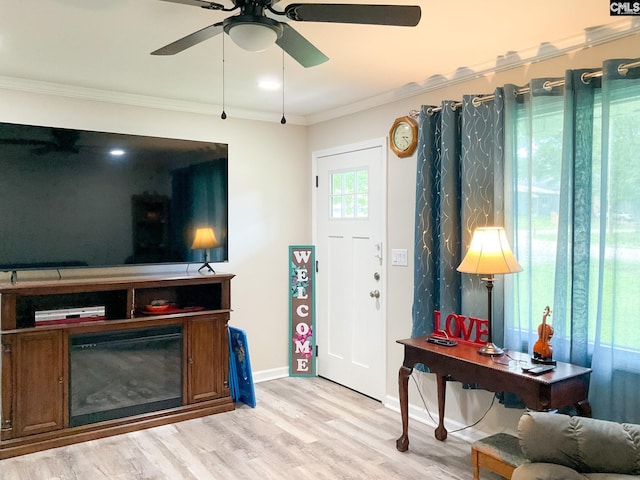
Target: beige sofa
560, 447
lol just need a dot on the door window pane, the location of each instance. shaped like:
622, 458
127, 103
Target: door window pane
350, 194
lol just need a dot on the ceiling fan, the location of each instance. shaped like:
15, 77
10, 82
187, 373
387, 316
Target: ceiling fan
62, 141
252, 30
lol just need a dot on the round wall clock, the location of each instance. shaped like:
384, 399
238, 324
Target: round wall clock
404, 136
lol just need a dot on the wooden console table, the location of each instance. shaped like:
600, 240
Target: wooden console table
566, 385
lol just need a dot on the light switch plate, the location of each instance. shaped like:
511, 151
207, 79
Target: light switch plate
399, 257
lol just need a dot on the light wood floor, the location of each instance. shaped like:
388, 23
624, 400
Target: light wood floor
302, 428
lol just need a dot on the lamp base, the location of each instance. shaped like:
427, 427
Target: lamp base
490, 349
208, 267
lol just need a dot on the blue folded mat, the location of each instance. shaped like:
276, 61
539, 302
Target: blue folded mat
240, 377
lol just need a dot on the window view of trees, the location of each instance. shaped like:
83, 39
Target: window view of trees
620, 228
614, 231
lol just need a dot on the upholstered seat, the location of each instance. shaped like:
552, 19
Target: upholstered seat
560, 447
499, 453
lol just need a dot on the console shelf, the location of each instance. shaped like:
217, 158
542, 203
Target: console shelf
35, 362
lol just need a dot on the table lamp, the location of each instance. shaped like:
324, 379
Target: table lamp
489, 254
205, 239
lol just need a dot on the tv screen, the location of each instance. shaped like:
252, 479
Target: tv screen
78, 198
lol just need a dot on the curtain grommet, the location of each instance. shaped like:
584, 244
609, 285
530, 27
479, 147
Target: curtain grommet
623, 70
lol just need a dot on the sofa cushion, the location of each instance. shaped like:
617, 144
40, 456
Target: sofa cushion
546, 471
552, 471
584, 444
610, 476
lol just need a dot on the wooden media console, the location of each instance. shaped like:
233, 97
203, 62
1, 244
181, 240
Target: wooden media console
54, 375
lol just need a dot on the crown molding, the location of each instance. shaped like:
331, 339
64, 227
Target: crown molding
591, 37
97, 95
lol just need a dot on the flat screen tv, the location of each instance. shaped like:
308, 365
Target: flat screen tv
78, 198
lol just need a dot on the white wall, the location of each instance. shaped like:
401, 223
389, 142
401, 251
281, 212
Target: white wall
463, 407
269, 198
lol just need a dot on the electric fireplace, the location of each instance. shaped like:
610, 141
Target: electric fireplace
122, 373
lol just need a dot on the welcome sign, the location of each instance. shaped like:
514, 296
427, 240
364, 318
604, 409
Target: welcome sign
302, 313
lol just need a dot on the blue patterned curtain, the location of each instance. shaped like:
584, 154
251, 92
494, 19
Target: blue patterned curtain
437, 227
459, 187
482, 196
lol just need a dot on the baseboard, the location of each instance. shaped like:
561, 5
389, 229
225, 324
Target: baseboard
272, 374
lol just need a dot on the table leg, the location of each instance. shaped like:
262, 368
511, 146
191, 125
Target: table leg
441, 431
402, 444
584, 409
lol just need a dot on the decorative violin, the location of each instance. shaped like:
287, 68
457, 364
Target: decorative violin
542, 349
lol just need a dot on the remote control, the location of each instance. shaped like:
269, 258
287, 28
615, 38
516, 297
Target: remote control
445, 342
538, 370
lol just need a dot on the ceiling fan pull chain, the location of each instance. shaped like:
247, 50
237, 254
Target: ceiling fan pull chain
283, 120
224, 114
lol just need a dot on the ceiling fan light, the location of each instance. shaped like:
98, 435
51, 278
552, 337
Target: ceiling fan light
254, 33
254, 37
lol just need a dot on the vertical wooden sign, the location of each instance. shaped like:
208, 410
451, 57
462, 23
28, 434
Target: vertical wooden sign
302, 311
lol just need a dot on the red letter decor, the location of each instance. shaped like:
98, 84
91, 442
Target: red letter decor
461, 328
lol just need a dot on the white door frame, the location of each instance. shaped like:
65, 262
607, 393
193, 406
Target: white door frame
372, 143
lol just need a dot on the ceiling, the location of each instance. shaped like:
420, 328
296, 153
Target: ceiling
101, 49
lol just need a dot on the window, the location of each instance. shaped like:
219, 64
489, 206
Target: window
350, 194
588, 220
537, 184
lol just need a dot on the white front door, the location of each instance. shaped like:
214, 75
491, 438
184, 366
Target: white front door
349, 226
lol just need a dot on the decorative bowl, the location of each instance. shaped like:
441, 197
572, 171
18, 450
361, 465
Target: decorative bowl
158, 306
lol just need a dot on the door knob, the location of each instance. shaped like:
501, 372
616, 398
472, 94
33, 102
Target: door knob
374, 294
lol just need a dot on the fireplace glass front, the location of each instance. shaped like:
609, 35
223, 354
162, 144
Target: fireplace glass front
123, 373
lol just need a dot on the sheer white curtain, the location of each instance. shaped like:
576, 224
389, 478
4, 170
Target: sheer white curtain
574, 178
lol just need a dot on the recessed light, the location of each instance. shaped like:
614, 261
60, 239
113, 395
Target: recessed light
117, 152
269, 84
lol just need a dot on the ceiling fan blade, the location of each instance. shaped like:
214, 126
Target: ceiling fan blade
190, 40
399, 15
198, 3
299, 48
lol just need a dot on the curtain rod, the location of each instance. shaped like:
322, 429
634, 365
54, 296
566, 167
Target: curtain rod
623, 69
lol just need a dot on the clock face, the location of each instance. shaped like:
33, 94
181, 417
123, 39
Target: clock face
402, 136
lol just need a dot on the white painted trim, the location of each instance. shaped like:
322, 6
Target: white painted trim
597, 36
94, 94
272, 374
380, 142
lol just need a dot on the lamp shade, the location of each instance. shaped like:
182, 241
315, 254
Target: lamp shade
489, 253
204, 238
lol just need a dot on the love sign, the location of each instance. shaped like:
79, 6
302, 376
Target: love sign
461, 328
